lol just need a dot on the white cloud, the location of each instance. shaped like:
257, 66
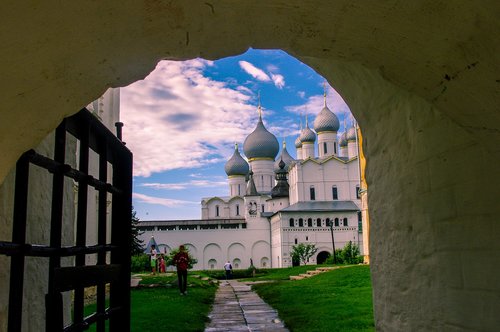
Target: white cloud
301, 94
177, 118
185, 185
279, 80
161, 201
255, 72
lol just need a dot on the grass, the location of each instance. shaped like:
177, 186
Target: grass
164, 309
339, 300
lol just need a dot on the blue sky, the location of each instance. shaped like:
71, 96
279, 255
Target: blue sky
181, 123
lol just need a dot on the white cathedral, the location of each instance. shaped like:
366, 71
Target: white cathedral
276, 202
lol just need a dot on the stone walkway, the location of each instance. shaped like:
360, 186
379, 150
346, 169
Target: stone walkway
238, 308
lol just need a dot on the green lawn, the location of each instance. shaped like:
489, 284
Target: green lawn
339, 300
164, 309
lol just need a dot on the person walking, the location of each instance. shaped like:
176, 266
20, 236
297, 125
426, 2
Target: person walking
181, 261
229, 270
153, 258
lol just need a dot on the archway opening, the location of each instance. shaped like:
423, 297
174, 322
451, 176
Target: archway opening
322, 256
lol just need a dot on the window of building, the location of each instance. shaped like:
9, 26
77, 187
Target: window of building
292, 223
327, 220
345, 222
324, 147
335, 147
307, 238
309, 222
337, 222
360, 221
318, 222
216, 210
357, 191
313, 193
237, 210
296, 241
262, 206
335, 193
239, 190
301, 222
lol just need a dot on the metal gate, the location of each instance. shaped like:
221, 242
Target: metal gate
115, 271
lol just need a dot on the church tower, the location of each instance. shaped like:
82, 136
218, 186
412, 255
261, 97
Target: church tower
326, 126
236, 169
307, 138
261, 148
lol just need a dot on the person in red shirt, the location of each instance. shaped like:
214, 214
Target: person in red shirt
181, 261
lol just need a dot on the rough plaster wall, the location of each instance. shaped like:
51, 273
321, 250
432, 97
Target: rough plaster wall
421, 77
37, 232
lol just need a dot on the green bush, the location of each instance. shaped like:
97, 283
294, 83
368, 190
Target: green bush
347, 255
140, 263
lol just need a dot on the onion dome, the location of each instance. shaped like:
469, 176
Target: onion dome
298, 143
343, 140
326, 121
236, 165
307, 135
285, 157
351, 134
261, 143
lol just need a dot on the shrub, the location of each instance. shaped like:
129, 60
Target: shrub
140, 263
347, 255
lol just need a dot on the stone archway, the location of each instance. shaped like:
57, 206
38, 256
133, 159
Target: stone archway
322, 256
422, 78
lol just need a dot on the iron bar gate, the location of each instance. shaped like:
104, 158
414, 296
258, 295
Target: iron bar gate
91, 134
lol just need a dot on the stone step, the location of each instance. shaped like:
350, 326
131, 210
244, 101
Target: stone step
296, 278
314, 272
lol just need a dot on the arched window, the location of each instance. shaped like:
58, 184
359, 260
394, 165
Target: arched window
239, 190
357, 191
296, 241
309, 222
335, 147
292, 223
301, 222
237, 209
345, 222
324, 147
335, 193
327, 220
262, 206
216, 210
318, 222
313, 193
337, 222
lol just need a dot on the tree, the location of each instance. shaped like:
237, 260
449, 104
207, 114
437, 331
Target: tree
302, 252
170, 258
136, 244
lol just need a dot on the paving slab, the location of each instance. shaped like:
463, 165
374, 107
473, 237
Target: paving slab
237, 308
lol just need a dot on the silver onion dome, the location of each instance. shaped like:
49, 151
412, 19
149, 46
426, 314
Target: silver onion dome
351, 134
307, 135
298, 143
236, 165
343, 140
285, 157
261, 143
326, 121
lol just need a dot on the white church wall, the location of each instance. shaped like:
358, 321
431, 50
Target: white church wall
236, 207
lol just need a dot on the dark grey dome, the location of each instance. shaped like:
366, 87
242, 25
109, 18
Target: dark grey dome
343, 140
285, 157
261, 143
298, 143
351, 134
236, 165
307, 135
326, 121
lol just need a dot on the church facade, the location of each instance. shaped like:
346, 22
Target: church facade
276, 201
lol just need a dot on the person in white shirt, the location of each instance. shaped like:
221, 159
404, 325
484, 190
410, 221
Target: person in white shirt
153, 258
229, 270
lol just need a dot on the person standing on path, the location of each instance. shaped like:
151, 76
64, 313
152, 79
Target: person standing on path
229, 270
153, 258
181, 261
